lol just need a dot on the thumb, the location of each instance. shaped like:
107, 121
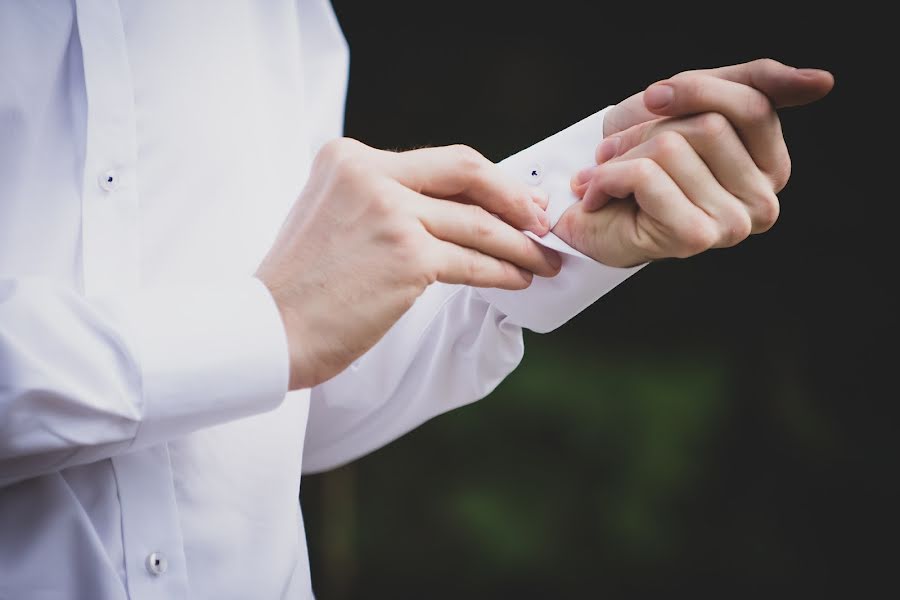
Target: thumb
626, 114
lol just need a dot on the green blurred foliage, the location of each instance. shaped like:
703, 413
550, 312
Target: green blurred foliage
582, 471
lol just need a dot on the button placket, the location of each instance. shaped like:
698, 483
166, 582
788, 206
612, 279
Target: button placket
111, 259
110, 240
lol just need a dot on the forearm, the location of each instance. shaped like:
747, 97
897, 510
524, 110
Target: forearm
458, 343
452, 348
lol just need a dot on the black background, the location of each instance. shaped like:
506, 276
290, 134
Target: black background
803, 316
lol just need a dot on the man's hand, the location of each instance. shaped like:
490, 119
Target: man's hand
693, 162
372, 229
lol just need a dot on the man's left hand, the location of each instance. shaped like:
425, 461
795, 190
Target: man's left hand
691, 163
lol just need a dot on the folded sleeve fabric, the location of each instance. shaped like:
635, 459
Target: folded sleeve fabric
83, 379
458, 343
550, 164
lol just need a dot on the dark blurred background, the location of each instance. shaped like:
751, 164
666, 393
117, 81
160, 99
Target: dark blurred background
718, 426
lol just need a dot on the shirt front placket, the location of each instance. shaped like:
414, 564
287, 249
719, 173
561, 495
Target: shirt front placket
153, 547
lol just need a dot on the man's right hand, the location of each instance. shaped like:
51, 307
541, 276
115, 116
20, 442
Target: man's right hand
372, 229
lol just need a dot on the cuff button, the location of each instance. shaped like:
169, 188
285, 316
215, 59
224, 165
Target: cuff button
157, 563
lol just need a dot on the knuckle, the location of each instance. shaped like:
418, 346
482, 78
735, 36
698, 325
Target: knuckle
482, 224
634, 136
766, 212
404, 242
481, 229
425, 267
335, 150
738, 228
381, 203
428, 271
349, 169
782, 173
644, 168
690, 85
513, 207
479, 216
528, 249
743, 228
474, 267
766, 64
695, 236
685, 78
669, 145
712, 125
519, 202
468, 158
758, 107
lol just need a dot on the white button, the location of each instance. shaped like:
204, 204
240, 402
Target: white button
535, 174
109, 180
157, 563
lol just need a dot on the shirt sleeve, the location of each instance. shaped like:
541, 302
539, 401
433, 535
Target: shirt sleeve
82, 379
450, 349
549, 302
458, 343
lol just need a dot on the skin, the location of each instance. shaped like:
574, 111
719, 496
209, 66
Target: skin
691, 163
372, 229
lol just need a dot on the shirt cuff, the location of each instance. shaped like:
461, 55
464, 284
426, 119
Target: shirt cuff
208, 355
549, 302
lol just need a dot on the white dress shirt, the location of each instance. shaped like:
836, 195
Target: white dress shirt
149, 152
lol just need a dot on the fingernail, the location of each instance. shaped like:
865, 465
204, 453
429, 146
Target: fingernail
608, 149
809, 72
658, 96
553, 258
584, 175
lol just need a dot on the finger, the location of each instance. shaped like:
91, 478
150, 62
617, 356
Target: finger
750, 112
715, 141
626, 114
473, 227
784, 85
675, 155
461, 173
460, 265
668, 224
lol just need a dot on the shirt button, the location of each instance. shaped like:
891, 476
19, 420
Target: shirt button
535, 174
109, 180
157, 563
